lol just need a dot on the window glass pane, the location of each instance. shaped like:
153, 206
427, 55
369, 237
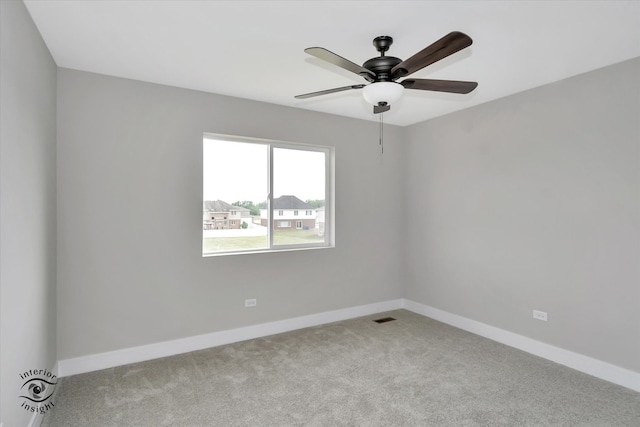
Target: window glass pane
235, 188
298, 185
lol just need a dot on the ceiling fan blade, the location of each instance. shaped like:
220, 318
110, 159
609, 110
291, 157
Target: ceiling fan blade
377, 109
448, 45
327, 55
452, 86
328, 91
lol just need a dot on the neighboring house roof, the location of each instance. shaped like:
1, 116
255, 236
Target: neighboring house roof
220, 206
290, 202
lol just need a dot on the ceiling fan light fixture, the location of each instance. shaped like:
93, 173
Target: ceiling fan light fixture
383, 70
388, 92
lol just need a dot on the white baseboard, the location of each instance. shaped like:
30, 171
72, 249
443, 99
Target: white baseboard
36, 420
111, 359
579, 362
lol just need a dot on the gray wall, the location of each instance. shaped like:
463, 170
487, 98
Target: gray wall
130, 209
27, 206
533, 202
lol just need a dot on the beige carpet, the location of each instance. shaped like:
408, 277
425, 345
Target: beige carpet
413, 371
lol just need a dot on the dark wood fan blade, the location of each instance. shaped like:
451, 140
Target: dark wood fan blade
377, 109
452, 86
327, 55
328, 91
448, 45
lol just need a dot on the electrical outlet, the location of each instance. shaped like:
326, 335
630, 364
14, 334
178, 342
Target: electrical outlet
540, 315
250, 302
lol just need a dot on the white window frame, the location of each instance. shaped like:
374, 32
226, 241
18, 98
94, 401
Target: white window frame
298, 225
329, 223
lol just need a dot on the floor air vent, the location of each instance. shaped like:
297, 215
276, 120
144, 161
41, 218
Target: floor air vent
384, 320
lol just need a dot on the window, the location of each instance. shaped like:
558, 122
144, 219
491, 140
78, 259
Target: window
278, 180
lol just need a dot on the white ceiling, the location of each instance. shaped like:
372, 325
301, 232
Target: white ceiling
254, 49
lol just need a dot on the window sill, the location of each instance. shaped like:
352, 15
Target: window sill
265, 251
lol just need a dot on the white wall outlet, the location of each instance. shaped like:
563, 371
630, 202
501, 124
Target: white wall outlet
250, 302
540, 315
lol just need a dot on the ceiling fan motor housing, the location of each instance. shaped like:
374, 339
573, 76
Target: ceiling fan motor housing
382, 66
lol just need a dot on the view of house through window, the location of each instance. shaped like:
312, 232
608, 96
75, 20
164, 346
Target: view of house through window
263, 195
299, 193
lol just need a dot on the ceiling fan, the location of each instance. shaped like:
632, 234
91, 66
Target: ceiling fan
383, 71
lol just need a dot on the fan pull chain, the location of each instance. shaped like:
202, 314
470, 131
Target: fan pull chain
381, 134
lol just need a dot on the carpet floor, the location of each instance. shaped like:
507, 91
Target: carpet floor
413, 371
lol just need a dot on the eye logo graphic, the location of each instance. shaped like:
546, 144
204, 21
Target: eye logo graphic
37, 390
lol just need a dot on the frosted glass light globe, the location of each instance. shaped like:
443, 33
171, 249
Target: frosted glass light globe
378, 92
